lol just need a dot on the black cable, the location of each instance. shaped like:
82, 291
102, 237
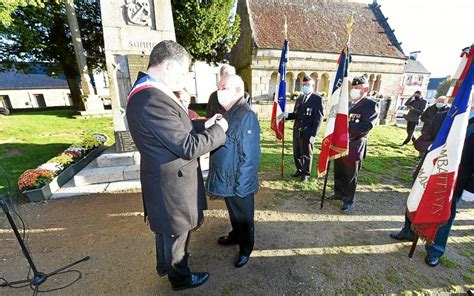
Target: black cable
79, 276
6, 283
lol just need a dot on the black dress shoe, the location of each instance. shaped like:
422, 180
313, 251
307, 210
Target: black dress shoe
197, 279
431, 261
402, 236
241, 261
297, 174
162, 273
227, 241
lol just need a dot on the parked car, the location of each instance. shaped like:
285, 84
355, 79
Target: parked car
401, 111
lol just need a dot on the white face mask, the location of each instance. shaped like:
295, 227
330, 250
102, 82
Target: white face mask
355, 94
439, 105
225, 97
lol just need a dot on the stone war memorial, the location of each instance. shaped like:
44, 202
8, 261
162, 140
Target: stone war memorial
131, 29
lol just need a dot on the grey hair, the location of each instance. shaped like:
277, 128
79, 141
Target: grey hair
226, 70
235, 81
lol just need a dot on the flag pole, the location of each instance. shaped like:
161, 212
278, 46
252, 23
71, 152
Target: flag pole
325, 183
413, 246
282, 162
349, 24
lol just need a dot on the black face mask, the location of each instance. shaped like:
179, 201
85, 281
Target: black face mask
417, 97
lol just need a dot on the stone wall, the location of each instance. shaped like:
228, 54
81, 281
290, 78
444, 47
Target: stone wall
385, 74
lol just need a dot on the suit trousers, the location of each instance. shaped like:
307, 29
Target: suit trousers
241, 213
172, 257
302, 153
345, 178
438, 247
411, 125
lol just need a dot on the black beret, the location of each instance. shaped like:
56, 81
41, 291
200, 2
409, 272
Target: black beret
359, 80
307, 78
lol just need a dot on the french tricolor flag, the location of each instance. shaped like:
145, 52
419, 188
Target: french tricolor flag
335, 143
279, 101
429, 202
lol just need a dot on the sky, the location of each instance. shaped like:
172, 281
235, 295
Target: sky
440, 29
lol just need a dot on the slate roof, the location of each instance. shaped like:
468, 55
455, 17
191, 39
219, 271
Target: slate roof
414, 66
17, 80
319, 26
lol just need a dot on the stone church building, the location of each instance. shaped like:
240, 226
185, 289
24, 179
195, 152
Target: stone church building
316, 35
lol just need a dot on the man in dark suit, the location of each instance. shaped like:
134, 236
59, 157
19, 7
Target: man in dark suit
363, 114
416, 105
308, 114
172, 185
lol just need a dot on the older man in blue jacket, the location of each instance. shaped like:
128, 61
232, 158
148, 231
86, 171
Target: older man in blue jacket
233, 168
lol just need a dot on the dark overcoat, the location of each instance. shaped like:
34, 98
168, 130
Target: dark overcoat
362, 118
307, 115
172, 185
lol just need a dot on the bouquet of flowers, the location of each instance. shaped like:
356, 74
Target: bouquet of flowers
33, 179
37, 178
75, 155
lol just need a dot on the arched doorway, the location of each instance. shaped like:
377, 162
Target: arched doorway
371, 82
272, 85
299, 81
377, 83
314, 76
289, 82
324, 85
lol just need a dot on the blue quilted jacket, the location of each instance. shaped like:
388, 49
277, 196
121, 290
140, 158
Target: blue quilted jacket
233, 167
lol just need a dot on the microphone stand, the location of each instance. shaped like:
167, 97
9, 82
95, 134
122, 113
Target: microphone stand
38, 276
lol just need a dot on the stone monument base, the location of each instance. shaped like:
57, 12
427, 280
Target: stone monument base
114, 167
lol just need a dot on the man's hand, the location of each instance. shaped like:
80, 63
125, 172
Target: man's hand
211, 121
223, 123
312, 140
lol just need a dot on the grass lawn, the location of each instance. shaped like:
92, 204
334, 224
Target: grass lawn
31, 138
387, 162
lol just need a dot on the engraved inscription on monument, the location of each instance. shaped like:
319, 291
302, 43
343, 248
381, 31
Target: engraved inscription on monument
136, 63
124, 141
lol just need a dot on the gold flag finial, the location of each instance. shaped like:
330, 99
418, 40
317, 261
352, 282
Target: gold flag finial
349, 24
286, 29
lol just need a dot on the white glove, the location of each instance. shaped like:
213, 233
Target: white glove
223, 123
312, 140
282, 115
211, 121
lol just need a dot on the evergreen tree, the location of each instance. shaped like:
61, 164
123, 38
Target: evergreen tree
206, 28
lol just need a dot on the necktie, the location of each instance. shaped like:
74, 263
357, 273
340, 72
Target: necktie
305, 99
